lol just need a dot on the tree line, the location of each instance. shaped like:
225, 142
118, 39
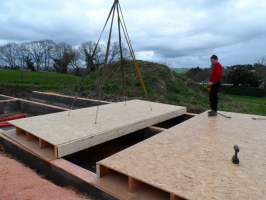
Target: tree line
47, 55
237, 75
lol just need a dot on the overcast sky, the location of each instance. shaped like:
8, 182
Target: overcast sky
181, 33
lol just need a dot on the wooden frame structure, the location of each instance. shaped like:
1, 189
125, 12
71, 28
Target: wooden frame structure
194, 161
65, 133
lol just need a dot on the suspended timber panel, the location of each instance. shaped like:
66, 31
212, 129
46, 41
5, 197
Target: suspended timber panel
69, 132
194, 159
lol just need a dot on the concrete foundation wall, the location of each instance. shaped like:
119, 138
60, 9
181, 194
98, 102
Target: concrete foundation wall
37, 109
65, 101
9, 106
3, 97
29, 107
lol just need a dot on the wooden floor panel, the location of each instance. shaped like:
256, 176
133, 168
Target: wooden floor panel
194, 159
74, 131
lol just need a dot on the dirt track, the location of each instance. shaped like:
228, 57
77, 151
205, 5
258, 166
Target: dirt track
18, 182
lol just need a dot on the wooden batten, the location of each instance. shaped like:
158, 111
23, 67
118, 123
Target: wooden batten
43, 144
20, 131
55, 152
102, 171
31, 137
174, 197
133, 184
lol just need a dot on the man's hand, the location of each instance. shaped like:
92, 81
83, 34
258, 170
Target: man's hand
210, 84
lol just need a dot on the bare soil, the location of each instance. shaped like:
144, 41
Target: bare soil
18, 182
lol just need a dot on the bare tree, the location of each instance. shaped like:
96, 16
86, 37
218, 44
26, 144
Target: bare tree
44, 54
62, 54
262, 60
22, 55
9, 54
92, 57
114, 54
41, 53
36, 51
77, 62
25, 57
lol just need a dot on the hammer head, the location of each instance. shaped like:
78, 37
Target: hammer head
236, 148
235, 158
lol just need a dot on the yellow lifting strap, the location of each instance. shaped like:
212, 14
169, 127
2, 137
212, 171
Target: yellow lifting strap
139, 75
136, 64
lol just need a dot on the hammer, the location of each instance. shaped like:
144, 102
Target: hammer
235, 158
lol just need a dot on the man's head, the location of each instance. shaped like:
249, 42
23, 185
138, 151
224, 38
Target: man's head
214, 59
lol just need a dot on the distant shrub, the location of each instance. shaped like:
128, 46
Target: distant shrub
244, 91
241, 76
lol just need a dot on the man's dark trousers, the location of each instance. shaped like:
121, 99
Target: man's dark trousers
213, 98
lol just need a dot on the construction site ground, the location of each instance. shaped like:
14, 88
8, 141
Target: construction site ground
20, 182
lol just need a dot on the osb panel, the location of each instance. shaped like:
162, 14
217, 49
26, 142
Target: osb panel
118, 188
32, 146
193, 159
74, 131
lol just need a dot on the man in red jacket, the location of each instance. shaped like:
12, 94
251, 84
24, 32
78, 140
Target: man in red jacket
214, 85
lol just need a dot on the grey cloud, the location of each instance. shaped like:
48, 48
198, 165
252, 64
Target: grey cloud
181, 33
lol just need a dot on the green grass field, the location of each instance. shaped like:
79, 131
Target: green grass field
41, 80
261, 101
256, 105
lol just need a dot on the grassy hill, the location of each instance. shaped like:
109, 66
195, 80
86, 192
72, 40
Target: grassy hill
164, 85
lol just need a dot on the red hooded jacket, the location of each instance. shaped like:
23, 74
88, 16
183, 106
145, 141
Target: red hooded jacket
216, 73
